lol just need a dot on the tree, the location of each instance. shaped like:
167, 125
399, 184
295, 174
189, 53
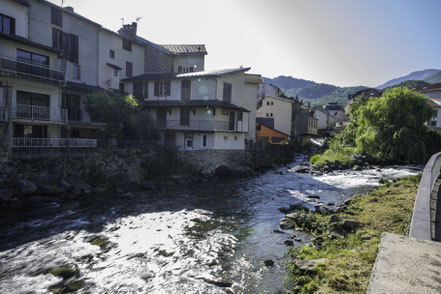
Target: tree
122, 114
393, 127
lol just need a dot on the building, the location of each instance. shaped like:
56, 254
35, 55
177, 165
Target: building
337, 111
368, 92
252, 82
265, 131
290, 117
325, 119
433, 91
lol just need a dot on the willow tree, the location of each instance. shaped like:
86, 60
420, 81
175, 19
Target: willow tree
394, 127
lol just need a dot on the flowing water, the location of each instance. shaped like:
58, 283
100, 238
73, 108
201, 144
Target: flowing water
197, 239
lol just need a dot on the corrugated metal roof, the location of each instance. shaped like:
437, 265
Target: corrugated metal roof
184, 49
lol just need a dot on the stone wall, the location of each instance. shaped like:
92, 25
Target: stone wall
206, 161
156, 60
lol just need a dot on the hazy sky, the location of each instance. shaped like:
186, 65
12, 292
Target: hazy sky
342, 42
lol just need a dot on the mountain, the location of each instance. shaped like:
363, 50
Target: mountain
435, 78
416, 75
411, 84
317, 94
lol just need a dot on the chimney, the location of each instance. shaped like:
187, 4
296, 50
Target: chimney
70, 8
130, 29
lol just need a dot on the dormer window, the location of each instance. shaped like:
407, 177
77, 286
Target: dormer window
7, 25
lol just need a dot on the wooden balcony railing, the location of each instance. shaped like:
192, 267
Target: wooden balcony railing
54, 142
31, 69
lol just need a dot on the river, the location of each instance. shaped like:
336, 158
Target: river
196, 239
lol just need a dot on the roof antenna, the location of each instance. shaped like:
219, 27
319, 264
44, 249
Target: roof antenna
138, 18
122, 20
62, 3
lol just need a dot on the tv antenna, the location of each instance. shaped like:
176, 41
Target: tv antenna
138, 19
62, 3
122, 20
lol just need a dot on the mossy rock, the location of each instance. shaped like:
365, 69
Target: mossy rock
65, 271
75, 285
101, 242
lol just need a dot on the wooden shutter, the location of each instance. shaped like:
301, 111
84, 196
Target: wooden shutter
167, 88
75, 48
55, 38
179, 68
129, 69
156, 88
12, 26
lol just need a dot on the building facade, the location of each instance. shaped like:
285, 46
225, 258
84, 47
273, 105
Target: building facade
433, 91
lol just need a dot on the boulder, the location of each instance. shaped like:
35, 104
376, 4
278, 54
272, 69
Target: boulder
51, 190
65, 184
14, 203
6, 194
268, 262
243, 171
344, 226
147, 185
288, 242
333, 219
82, 189
35, 200
302, 170
313, 197
287, 223
25, 188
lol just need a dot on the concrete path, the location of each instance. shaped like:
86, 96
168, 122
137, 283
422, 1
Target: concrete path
406, 265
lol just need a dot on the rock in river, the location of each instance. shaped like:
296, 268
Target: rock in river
25, 187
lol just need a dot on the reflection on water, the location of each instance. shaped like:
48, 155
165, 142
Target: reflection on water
199, 239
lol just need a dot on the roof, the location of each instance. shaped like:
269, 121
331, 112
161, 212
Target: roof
71, 13
170, 76
114, 66
436, 102
321, 109
280, 98
334, 106
429, 88
192, 103
253, 79
272, 128
185, 49
266, 121
83, 86
22, 2
29, 42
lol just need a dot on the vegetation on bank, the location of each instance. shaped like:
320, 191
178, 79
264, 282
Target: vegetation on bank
344, 264
391, 128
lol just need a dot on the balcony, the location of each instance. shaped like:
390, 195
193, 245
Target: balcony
197, 125
53, 142
15, 65
33, 112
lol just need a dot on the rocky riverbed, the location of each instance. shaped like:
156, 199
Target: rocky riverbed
204, 237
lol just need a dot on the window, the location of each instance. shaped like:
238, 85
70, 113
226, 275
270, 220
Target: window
272, 103
7, 25
235, 138
226, 138
239, 116
140, 90
32, 57
112, 54
121, 87
29, 98
127, 45
162, 88
129, 69
267, 103
57, 16
69, 43
267, 115
186, 90
225, 111
115, 73
76, 72
271, 114
204, 140
258, 127
185, 69
227, 92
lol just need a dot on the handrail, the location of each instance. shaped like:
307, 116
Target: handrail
421, 224
35, 112
54, 142
30, 68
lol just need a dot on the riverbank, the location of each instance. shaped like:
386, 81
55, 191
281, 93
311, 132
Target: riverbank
341, 256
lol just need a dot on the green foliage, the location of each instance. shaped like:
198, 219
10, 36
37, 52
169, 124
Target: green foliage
346, 263
393, 127
411, 84
335, 152
122, 114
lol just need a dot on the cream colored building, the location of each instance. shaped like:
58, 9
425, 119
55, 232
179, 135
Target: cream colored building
281, 109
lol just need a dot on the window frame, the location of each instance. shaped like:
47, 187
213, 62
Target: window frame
162, 88
112, 53
11, 24
227, 92
56, 16
129, 69
127, 45
76, 69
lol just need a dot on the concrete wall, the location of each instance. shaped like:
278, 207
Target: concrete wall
112, 41
19, 13
201, 89
250, 103
233, 141
238, 81
197, 62
282, 113
40, 31
209, 160
322, 119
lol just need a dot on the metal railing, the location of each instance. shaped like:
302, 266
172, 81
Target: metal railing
3, 113
201, 125
32, 69
422, 219
126, 144
54, 142
33, 112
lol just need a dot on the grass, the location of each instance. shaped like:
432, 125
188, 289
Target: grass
343, 154
347, 262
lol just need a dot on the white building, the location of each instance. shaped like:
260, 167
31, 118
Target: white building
325, 119
433, 91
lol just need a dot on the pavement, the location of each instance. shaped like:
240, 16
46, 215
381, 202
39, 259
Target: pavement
406, 265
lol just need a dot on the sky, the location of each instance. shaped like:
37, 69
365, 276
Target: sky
340, 42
